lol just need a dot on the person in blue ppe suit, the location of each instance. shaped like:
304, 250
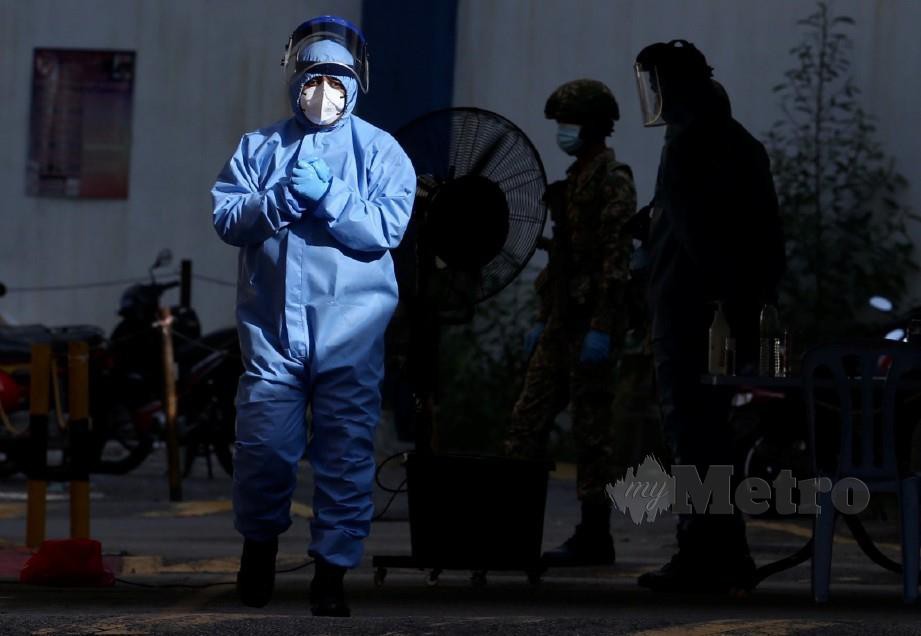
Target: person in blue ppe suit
314, 202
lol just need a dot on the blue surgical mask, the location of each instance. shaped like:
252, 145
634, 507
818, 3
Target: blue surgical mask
567, 138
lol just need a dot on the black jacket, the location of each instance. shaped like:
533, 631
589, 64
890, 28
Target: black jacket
716, 231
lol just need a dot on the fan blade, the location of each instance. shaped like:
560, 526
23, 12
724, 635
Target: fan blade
538, 178
487, 160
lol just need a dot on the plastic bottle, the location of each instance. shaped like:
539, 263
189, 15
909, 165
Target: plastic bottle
780, 358
769, 329
719, 331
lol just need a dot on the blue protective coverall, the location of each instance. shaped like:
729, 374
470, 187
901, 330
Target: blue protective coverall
315, 291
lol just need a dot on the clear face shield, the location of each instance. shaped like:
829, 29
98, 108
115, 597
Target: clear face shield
650, 92
337, 30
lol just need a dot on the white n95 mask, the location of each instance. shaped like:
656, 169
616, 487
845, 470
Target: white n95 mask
322, 103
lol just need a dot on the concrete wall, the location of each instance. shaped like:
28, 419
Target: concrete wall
206, 71
513, 53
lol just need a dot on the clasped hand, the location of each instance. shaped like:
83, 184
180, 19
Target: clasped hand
310, 178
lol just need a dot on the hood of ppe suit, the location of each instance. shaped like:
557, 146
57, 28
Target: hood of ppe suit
334, 54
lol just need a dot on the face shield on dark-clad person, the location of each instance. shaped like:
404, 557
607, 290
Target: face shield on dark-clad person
650, 93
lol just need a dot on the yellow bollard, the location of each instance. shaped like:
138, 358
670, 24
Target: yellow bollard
78, 398
37, 487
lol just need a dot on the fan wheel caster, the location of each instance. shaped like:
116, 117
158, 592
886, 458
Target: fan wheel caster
478, 578
380, 575
432, 578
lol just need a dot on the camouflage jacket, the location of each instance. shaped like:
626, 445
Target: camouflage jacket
589, 263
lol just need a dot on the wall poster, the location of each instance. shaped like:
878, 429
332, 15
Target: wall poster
80, 123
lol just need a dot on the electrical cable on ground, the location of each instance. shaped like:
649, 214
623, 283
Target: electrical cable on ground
377, 474
394, 491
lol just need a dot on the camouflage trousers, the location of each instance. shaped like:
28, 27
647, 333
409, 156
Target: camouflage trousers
555, 378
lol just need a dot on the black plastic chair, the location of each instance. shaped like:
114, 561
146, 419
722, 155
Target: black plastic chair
874, 373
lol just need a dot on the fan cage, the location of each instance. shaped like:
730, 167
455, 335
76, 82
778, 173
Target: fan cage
454, 142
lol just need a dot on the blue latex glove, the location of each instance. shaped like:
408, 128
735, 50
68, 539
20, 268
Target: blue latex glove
595, 347
310, 178
322, 168
531, 338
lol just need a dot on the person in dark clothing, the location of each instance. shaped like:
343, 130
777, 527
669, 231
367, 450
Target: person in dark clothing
714, 235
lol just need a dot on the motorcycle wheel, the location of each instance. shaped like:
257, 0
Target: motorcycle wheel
121, 446
211, 426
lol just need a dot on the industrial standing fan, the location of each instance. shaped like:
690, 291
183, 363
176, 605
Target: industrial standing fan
477, 219
476, 222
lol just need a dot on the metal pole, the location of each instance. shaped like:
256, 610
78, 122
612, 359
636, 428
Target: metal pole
78, 399
39, 406
185, 288
170, 405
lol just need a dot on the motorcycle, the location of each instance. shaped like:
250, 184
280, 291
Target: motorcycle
126, 382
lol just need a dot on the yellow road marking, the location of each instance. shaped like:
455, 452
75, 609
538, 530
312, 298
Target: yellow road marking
151, 565
564, 472
226, 564
193, 509
204, 508
806, 533
141, 564
12, 510
301, 510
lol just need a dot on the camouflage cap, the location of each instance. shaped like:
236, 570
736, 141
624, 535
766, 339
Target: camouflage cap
582, 100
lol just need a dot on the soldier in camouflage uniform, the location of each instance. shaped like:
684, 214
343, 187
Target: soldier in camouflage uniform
581, 323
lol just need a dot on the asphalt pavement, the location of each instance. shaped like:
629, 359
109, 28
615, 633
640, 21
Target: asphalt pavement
175, 563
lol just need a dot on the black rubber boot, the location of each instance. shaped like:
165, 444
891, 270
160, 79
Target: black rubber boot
591, 544
327, 591
256, 578
712, 557
693, 576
